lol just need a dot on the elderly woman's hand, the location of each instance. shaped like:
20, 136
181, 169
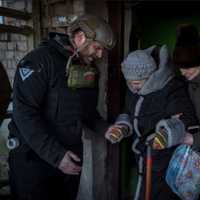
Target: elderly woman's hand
188, 139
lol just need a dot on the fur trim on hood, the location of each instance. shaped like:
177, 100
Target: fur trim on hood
162, 75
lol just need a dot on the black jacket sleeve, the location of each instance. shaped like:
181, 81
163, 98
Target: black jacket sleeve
178, 101
196, 141
30, 89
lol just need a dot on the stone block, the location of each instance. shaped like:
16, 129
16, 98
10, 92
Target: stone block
29, 6
19, 5
15, 37
3, 36
11, 45
3, 46
11, 73
4, 62
10, 54
23, 38
22, 46
11, 64
2, 54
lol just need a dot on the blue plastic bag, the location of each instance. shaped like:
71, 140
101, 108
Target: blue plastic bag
183, 173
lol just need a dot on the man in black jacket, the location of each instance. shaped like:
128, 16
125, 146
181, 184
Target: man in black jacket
55, 95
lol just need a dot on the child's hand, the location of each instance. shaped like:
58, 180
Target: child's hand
114, 133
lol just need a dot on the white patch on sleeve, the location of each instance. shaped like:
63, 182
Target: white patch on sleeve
25, 73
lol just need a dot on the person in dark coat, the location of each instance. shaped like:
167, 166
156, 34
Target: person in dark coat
186, 57
55, 97
5, 92
155, 96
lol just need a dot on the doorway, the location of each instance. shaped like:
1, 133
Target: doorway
153, 23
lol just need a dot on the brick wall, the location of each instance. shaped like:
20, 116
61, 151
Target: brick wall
14, 46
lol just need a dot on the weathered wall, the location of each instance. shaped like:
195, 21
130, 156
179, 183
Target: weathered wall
14, 46
51, 9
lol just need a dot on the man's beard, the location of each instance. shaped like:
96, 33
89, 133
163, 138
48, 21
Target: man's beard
87, 60
86, 56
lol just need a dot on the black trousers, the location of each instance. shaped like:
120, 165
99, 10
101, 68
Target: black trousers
33, 179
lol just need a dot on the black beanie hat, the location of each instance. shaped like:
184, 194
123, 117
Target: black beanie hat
187, 49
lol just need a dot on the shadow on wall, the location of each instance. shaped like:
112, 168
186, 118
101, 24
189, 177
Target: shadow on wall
5, 92
5, 98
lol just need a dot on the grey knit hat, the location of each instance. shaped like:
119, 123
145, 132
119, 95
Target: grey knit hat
139, 65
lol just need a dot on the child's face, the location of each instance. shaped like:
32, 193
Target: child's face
136, 85
190, 73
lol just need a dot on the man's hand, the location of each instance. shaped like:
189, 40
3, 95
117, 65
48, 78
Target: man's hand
67, 164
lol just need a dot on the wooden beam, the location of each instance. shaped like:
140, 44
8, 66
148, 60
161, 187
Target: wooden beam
115, 95
115, 78
8, 12
56, 1
37, 21
24, 30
